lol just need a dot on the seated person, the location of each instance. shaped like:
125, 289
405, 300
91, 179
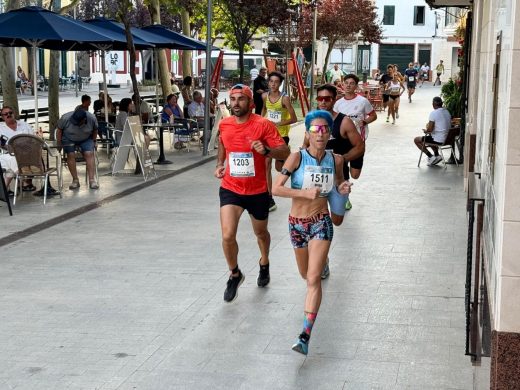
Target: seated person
99, 105
144, 108
436, 131
213, 102
171, 108
196, 108
125, 106
24, 80
173, 82
8, 129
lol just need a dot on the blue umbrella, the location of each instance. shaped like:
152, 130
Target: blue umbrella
38, 27
181, 42
110, 26
141, 37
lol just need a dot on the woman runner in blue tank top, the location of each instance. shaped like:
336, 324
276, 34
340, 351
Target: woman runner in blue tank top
314, 173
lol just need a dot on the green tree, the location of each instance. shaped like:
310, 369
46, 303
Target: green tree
243, 19
7, 72
358, 21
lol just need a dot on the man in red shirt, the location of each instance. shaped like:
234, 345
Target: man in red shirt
246, 139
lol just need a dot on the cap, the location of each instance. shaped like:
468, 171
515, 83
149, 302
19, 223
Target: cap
78, 116
243, 89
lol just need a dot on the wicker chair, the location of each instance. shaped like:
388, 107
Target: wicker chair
27, 149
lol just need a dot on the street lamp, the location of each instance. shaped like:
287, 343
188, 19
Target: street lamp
342, 46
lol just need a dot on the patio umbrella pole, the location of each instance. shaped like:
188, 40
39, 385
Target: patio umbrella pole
103, 67
156, 62
206, 133
35, 89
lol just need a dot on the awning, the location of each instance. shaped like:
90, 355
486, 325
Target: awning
449, 3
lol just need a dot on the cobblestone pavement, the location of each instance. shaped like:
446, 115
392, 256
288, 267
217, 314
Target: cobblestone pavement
129, 294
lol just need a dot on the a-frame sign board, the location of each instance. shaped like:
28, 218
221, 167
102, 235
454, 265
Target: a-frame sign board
133, 139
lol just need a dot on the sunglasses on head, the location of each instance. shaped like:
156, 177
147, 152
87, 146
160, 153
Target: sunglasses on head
323, 129
7, 113
237, 86
324, 98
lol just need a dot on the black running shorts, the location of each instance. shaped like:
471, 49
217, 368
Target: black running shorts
256, 205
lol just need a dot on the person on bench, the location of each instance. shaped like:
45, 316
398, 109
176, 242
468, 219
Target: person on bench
9, 127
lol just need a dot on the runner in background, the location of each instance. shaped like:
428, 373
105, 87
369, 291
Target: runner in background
277, 109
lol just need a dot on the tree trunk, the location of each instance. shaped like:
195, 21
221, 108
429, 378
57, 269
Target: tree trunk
326, 62
7, 73
241, 60
164, 72
131, 50
53, 99
186, 54
7, 70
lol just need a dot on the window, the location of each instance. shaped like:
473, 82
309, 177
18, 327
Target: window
388, 14
418, 15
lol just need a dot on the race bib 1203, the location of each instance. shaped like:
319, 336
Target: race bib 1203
241, 164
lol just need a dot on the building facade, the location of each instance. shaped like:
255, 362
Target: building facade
414, 32
492, 178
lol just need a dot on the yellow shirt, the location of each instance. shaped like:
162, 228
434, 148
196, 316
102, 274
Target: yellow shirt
276, 113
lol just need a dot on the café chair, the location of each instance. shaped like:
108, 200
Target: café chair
4, 193
106, 136
449, 143
184, 131
28, 149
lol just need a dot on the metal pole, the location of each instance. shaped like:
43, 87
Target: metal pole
105, 89
156, 62
35, 89
207, 92
313, 79
76, 60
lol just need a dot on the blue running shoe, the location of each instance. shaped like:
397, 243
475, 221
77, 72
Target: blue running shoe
302, 344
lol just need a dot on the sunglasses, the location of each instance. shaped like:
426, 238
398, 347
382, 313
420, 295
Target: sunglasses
324, 98
238, 86
323, 129
7, 113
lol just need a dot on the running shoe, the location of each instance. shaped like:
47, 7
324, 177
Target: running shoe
393, 121
397, 115
232, 286
409, 99
263, 276
348, 205
302, 344
325, 272
430, 161
387, 119
272, 204
437, 160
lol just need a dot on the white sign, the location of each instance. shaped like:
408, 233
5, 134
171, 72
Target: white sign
115, 60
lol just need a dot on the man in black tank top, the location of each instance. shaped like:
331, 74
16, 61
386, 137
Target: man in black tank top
345, 139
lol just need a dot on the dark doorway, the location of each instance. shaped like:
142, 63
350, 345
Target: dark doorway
425, 55
401, 55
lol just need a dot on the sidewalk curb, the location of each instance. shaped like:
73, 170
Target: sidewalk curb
13, 237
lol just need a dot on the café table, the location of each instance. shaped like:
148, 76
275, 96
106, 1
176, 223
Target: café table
161, 126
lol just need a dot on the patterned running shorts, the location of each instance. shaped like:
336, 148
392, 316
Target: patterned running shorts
317, 227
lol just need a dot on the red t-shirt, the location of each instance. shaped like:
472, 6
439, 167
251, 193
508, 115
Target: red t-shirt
245, 168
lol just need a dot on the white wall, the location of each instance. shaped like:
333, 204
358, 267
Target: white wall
502, 184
